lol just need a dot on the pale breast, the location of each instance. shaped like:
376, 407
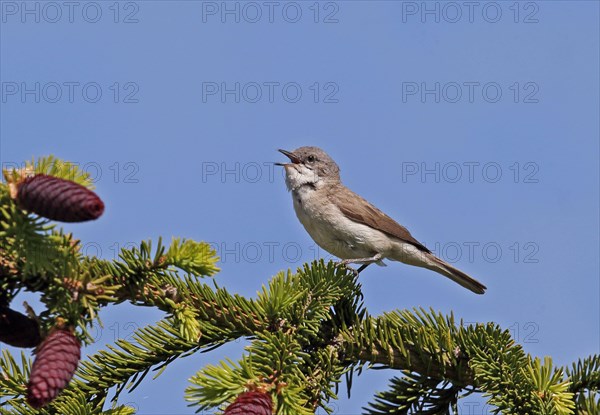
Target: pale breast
333, 231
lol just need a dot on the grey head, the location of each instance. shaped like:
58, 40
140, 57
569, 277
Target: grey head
309, 166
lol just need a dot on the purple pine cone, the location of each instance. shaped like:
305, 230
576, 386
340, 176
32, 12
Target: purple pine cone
58, 199
55, 363
251, 403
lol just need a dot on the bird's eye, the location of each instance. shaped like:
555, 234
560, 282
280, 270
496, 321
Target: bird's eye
311, 158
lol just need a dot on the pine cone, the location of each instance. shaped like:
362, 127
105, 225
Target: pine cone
55, 363
17, 329
251, 403
58, 199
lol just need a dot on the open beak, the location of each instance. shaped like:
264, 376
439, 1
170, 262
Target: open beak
293, 158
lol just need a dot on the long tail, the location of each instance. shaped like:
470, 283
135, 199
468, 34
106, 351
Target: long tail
456, 275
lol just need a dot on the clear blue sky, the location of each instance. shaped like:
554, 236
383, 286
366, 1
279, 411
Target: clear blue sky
479, 132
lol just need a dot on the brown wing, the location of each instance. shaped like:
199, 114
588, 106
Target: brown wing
359, 210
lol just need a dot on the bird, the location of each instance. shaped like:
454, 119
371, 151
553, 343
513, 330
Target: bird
348, 226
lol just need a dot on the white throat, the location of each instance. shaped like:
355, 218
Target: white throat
298, 175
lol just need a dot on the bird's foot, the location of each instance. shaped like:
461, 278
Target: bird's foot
364, 261
348, 268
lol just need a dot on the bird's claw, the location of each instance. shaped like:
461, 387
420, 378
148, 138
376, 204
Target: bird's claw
345, 264
364, 261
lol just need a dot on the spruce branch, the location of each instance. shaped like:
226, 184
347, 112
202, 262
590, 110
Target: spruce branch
126, 363
13, 375
585, 383
306, 330
416, 341
414, 393
585, 374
